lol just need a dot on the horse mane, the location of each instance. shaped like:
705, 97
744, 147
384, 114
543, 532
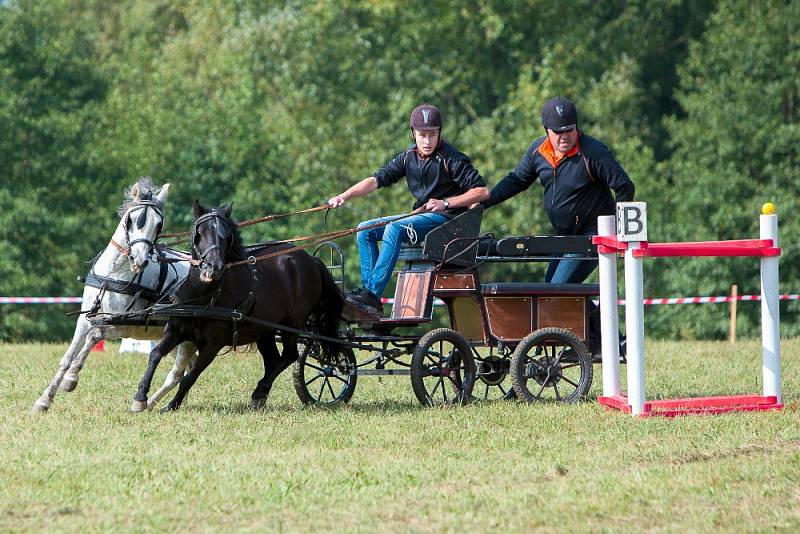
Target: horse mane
236, 239
147, 191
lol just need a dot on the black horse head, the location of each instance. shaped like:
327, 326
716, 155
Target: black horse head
215, 240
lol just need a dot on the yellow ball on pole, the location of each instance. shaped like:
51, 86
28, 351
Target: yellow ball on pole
768, 208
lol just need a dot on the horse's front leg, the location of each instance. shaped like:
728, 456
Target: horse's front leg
70, 381
86, 336
270, 356
184, 358
205, 355
170, 340
274, 365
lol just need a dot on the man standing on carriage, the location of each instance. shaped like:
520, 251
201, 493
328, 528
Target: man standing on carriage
444, 184
578, 173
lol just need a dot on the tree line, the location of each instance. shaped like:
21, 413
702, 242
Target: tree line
278, 105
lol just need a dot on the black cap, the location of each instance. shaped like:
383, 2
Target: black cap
426, 117
559, 114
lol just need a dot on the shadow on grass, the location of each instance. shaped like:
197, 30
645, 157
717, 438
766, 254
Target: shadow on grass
380, 407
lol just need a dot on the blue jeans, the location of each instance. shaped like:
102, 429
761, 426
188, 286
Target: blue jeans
377, 266
566, 270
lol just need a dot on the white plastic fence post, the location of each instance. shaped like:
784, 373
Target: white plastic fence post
770, 313
609, 314
634, 328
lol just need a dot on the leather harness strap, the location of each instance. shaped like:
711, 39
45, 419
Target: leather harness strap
125, 252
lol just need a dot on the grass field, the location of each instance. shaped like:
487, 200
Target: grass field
383, 463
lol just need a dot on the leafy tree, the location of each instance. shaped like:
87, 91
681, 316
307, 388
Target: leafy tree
735, 147
49, 100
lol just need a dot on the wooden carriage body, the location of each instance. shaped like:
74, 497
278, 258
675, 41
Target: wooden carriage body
445, 267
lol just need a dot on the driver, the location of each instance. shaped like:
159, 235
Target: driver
578, 173
443, 182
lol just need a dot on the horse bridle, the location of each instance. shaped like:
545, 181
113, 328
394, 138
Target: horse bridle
200, 257
137, 206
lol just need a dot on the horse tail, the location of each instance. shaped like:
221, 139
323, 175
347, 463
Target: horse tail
329, 310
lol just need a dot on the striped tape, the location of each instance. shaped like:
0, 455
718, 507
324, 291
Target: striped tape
673, 300
41, 300
711, 300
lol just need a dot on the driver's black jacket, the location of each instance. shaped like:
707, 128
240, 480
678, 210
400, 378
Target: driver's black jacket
577, 188
447, 173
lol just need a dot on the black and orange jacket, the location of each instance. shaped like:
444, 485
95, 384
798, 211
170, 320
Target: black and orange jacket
445, 174
577, 187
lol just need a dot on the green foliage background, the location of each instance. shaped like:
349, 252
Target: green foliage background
280, 105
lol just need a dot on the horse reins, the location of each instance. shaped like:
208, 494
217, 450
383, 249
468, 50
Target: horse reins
318, 239
314, 239
257, 220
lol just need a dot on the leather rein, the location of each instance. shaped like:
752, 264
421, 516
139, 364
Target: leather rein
314, 239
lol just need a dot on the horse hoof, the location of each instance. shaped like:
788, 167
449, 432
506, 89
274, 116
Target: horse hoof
138, 406
68, 384
40, 406
258, 404
167, 409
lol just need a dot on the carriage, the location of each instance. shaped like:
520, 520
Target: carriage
532, 335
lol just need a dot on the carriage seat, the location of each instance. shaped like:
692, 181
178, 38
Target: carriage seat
541, 289
435, 245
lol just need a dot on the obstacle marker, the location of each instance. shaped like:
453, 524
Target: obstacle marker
628, 234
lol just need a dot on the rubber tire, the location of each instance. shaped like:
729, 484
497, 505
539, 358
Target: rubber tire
564, 338
461, 388
346, 391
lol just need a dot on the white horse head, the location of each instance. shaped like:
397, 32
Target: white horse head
142, 220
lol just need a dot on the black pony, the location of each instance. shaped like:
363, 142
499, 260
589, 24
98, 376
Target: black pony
293, 289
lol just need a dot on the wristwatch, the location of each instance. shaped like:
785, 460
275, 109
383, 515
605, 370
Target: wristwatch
446, 204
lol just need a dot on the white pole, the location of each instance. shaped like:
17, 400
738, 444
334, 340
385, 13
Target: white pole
609, 314
634, 327
770, 313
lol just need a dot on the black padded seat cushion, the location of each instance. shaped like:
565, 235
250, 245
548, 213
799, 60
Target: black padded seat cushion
580, 290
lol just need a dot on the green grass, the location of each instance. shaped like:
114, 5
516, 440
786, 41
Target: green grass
383, 463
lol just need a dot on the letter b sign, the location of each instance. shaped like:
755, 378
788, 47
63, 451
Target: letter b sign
632, 221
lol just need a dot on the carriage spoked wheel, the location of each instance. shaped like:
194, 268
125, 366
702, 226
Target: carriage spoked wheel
442, 368
324, 381
492, 381
551, 364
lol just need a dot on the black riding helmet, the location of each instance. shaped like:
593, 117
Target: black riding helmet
559, 114
426, 117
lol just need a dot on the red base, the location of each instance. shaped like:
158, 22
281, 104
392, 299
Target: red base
695, 406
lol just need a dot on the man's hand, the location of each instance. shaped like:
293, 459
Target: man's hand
337, 201
434, 204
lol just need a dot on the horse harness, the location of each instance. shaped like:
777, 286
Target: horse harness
199, 257
142, 205
134, 286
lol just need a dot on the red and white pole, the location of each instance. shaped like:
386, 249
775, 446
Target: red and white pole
770, 310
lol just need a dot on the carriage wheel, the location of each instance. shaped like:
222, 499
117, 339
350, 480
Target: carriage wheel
324, 381
442, 368
492, 381
551, 364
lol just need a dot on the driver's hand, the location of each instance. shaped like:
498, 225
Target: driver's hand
337, 201
434, 204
